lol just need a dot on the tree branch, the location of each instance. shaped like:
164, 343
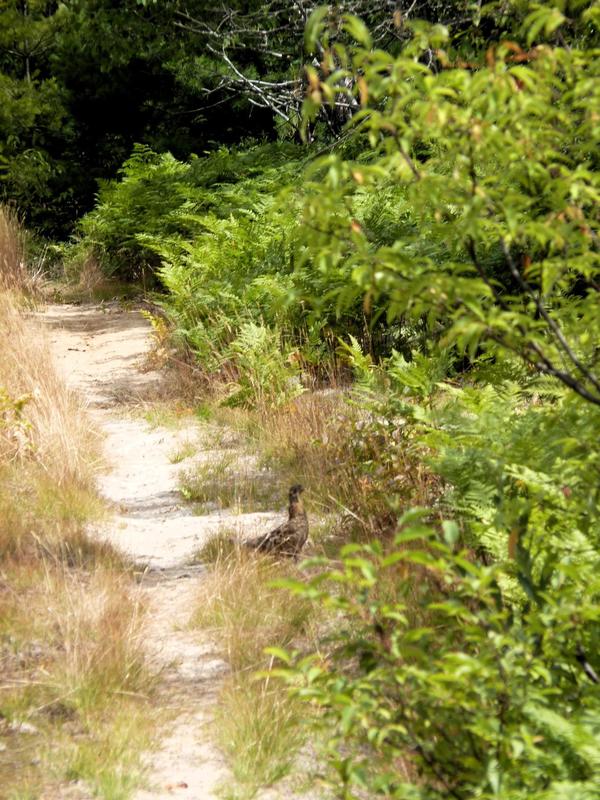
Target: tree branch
553, 325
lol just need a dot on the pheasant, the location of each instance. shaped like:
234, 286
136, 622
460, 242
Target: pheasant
289, 538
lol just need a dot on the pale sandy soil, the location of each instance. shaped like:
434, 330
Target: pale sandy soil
101, 350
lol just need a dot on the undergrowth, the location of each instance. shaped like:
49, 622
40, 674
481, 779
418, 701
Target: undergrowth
259, 726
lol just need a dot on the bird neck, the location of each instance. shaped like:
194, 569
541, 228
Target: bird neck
296, 508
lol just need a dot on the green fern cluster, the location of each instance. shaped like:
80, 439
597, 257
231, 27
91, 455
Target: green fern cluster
216, 236
224, 236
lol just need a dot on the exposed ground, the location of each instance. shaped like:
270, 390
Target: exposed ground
102, 351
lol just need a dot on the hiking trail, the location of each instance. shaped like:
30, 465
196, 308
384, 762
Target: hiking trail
103, 350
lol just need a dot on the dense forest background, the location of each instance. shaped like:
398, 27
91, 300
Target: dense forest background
82, 82
397, 201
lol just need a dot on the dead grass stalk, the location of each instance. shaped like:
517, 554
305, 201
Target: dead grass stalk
47, 423
238, 603
16, 275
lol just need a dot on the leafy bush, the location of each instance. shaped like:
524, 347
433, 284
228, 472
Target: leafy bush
450, 690
497, 196
146, 199
475, 680
33, 115
158, 197
220, 242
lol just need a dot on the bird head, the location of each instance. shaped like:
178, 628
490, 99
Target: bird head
295, 491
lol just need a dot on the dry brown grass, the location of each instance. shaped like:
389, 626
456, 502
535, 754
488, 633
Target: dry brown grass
90, 277
12, 250
16, 274
237, 603
75, 643
48, 426
71, 660
85, 282
355, 467
257, 722
73, 681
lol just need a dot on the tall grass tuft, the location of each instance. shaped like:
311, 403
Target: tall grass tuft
238, 603
47, 424
257, 724
97, 629
259, 728
16, 275
12, 250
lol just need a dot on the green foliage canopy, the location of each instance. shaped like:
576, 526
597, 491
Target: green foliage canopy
82, 81
492, 169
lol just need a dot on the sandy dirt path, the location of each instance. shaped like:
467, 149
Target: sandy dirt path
101, 350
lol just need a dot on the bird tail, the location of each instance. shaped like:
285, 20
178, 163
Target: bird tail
260, 543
